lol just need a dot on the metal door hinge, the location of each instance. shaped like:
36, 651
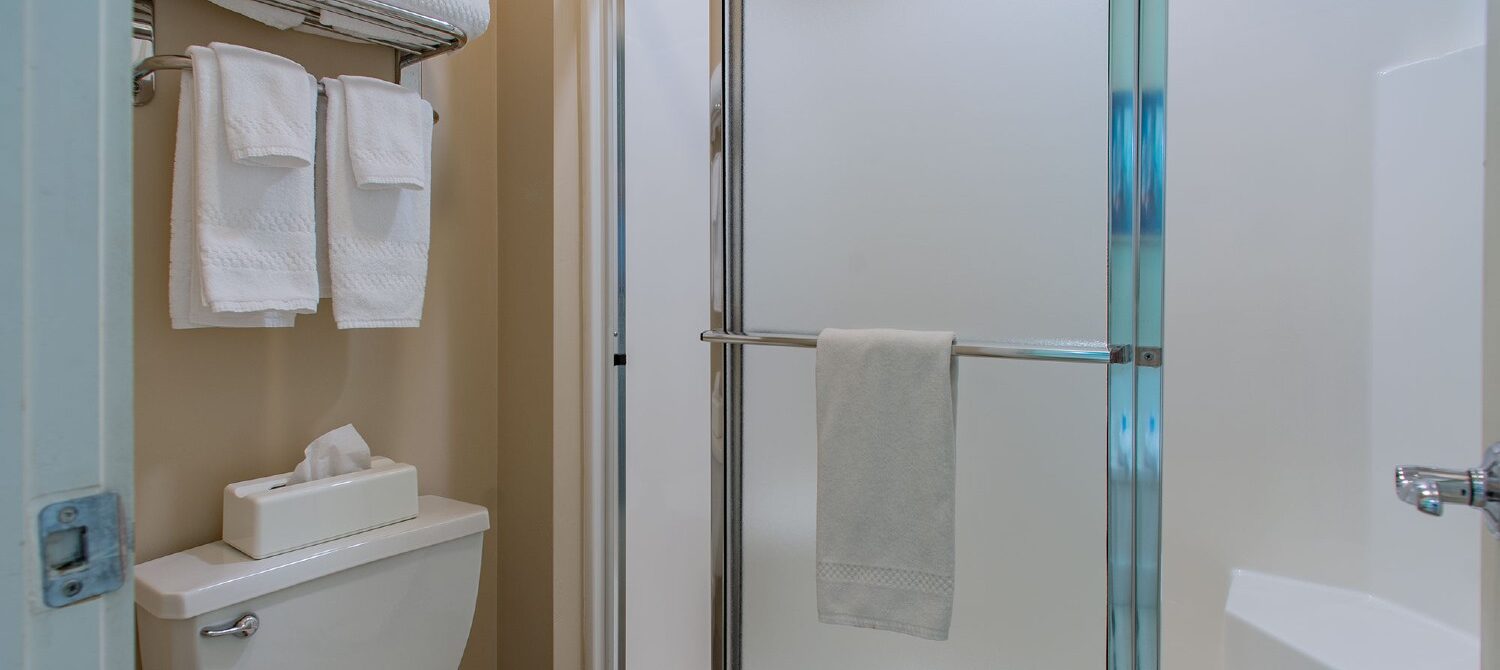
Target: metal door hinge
82, 548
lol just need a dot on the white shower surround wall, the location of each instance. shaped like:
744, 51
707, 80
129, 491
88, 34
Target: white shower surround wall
1319, 308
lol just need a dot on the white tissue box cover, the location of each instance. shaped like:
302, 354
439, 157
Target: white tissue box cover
262, 520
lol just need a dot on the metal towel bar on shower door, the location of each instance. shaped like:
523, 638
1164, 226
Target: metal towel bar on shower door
1076, 353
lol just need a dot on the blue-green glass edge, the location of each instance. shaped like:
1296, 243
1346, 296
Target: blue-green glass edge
1150, 272
1120, 497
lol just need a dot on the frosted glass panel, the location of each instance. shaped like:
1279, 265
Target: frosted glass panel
1030, 571
936, 164
932, 165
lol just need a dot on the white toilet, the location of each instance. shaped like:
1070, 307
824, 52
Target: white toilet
399, 597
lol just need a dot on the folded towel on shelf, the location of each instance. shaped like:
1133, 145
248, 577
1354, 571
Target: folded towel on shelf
268, 106
275, 17
364, 29
389, 128
470, 16
185, 291
886, 480
377, 239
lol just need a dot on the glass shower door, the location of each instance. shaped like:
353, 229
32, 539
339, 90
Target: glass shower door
946, 165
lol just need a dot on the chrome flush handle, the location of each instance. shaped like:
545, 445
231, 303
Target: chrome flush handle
1428, 489
245, 626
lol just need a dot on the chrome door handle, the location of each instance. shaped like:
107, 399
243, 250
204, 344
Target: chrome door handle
245, 626
1429, 489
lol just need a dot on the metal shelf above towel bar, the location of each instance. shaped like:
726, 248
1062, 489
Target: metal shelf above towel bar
154, 64
1083, 352
415, 37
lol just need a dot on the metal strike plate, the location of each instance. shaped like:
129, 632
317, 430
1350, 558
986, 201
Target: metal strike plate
82, 549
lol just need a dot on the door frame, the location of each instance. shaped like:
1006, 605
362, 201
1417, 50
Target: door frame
66, 345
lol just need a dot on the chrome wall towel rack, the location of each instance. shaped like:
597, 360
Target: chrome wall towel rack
1070, 352
154, 64
414, 36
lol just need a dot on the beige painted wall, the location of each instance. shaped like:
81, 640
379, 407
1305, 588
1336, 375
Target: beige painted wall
525, 352
216, 406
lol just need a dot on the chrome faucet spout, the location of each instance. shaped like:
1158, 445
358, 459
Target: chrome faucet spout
1430, 489
1424, 494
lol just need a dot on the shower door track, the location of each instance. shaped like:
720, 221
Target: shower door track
1135, 192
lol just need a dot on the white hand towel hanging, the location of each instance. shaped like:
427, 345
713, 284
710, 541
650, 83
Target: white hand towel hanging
236, 214
885, 480
268, 103
256, 244
389, 130
377, 239
185, 292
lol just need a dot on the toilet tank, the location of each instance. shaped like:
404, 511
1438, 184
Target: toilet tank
399, 597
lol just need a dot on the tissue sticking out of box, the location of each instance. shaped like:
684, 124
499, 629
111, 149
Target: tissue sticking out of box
337, 452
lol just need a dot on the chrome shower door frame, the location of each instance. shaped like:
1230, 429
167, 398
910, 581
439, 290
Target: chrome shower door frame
1136, 156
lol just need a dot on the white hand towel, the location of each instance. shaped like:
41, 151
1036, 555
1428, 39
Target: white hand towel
255, 228
377, 239
268, 106
185, 292
388, 126
885, 480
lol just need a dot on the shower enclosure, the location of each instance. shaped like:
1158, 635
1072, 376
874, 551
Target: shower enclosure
999, 169
989, 168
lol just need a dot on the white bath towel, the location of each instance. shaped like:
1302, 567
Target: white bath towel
885, 480
185, 291
470, 16
268, 106
388, 126
368, 30
377, 239
275, 17
256, 240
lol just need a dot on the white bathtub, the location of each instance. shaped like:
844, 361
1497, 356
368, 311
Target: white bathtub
1275, 623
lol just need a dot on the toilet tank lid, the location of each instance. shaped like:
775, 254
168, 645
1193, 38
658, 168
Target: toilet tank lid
203, 579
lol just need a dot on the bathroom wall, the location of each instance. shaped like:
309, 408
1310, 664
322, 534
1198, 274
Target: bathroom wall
1425, 287
216, 406
1271, 306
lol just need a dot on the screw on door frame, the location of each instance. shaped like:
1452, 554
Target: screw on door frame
1148, 357
68, 515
